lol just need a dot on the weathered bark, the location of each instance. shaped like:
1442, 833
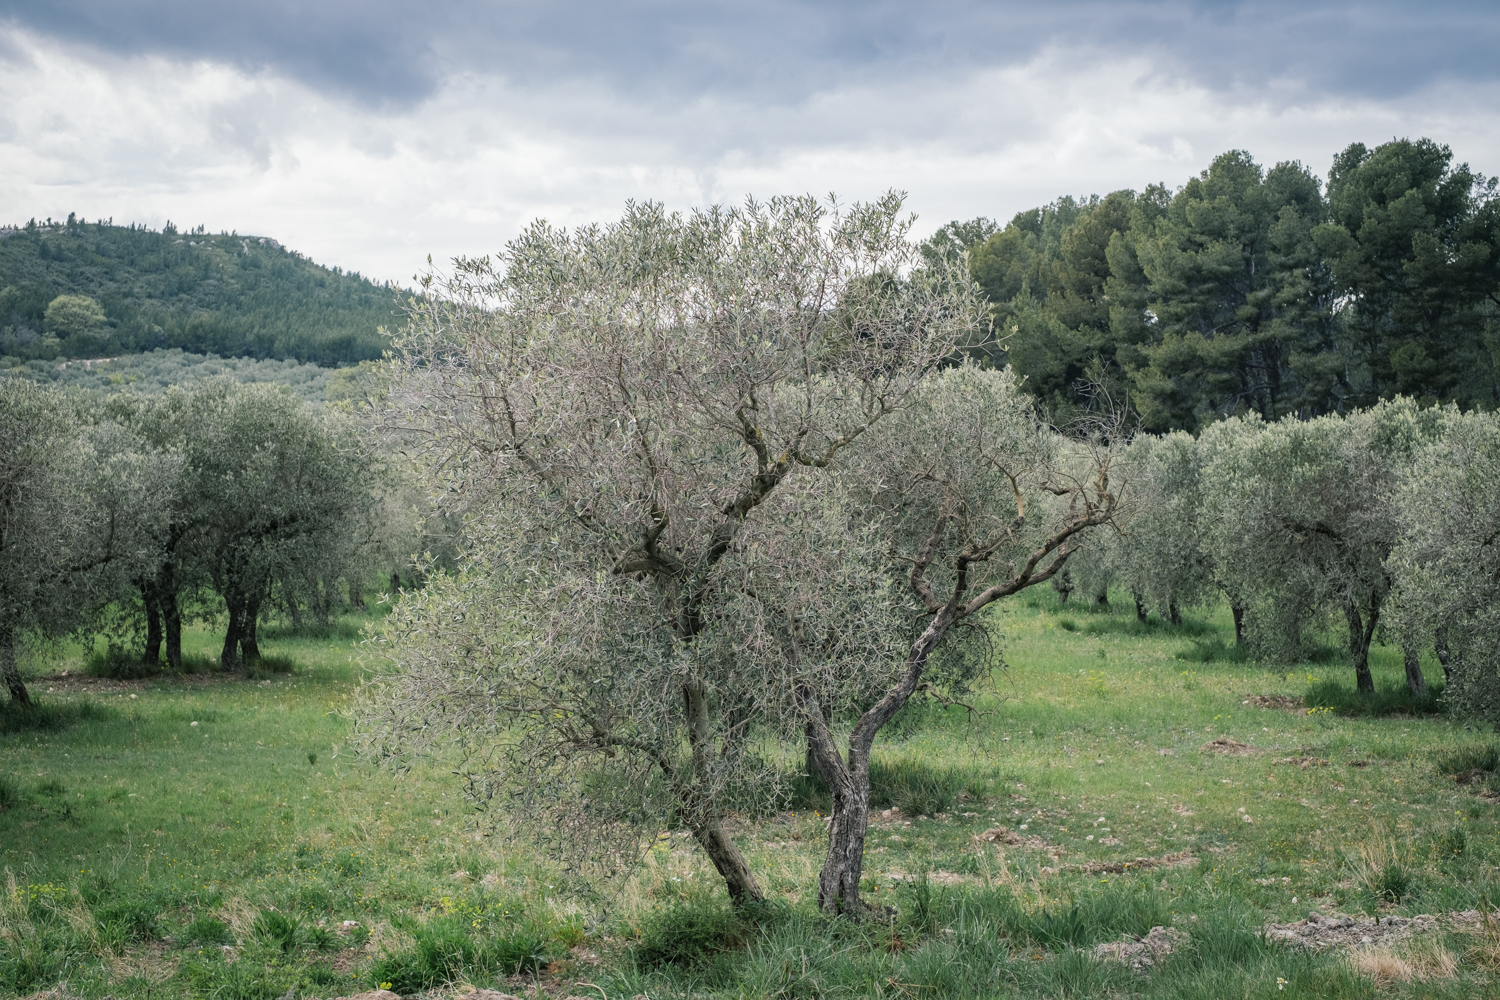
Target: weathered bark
356, 594
1101, 600
1140, 607
1174, 614
849, 780
229, 657
704, 817
249, 646
1239, 624
1415, 682
395, 583
1361, 632
151, 656
1063, 584
10, 670
1444, 655
171, 620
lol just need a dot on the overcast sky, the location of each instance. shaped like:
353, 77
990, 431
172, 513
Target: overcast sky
373, 134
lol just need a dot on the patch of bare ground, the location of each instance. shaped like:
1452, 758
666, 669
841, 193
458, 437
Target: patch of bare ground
1182, 859
68, 682
1225, 745
1013, 838
1304, 762
1280, 702
1141, 953
1319, 932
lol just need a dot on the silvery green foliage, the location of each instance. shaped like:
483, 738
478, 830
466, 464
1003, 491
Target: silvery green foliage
78, 501
1446, 561
1302, 521
1162, 554
643, 426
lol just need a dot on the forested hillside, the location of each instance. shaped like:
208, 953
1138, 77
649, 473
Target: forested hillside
92, 289
1254, 290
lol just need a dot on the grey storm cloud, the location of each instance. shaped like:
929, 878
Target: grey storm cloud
384, 52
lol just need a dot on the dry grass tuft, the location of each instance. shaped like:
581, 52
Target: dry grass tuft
1422, 959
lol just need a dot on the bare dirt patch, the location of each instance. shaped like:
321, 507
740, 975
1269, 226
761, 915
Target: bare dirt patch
1304, 762
1143, 952
1319, 932
1280, 702
1182, 859
1013, 838
1225, 745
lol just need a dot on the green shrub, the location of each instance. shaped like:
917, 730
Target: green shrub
270, 666
129, 919
16, 717
918, 789
1453, 843
686, 933
277, 930
446, 949
1348, 701
208, 930
120, 663
1466, 760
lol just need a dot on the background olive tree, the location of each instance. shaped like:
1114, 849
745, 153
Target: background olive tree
78, 505
1445, 560
635, 419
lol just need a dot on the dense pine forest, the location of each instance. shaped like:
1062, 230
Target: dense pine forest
1253, 290
92, 289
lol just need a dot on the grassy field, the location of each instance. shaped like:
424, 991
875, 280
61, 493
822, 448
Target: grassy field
203, 837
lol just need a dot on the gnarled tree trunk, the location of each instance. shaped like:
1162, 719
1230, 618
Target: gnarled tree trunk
1444, 655
1239, 623
151, 656
1415, 682
229, 657
1140, 606
1361, 632
9, 669
705, 818
249, 646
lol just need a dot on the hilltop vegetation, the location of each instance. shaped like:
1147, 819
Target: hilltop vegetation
92, 289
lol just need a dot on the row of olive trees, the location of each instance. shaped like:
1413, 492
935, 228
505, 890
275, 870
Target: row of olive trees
728, 502
1379, 520
155, 502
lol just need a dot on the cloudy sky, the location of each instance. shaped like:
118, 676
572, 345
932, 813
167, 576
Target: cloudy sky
372, 134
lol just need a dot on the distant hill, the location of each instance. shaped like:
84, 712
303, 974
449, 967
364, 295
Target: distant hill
225, 294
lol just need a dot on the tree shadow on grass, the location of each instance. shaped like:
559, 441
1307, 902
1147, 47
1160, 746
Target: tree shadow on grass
1331, 696
16, 717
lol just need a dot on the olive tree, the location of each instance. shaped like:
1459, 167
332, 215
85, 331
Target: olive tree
77, 506
1445, 563
1303, 520
980, 500
642, 423
265, 488
1163, 557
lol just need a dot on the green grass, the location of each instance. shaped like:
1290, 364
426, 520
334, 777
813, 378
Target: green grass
245, 856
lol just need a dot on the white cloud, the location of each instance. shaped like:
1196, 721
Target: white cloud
149, 138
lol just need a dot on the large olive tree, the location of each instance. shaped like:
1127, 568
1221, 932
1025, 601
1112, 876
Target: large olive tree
642, 422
